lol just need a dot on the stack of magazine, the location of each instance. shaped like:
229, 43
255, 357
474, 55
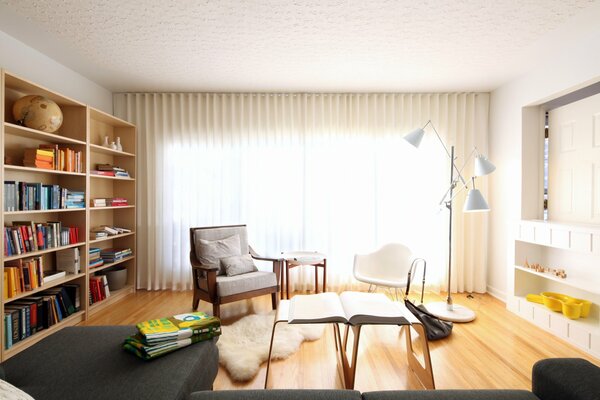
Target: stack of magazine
157, 337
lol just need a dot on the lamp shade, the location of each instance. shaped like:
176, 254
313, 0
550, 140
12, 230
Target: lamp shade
483, 166
414, 137
475, 202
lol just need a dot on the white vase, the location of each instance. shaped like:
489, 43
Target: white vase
119, 146
106, 144
113, 145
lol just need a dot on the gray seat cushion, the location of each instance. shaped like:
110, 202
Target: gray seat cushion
229, 285
89, 363
450, 395
287, 394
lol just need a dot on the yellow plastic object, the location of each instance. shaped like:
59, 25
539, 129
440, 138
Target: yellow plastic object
535, 298
571, 307
586, 305
554, 300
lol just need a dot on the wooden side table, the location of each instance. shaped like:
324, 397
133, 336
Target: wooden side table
295, 258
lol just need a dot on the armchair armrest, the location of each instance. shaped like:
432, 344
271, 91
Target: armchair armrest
255, 255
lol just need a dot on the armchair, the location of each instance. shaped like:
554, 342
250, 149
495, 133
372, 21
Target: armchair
387, 267
210, 282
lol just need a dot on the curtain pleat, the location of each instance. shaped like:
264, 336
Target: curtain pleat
323, 172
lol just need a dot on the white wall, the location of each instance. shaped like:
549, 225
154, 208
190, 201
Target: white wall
28, 63
573, 63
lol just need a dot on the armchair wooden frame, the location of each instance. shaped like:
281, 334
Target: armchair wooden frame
205, 278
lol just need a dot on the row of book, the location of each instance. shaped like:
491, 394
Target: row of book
110, 170
27, 236
32, 314
94, 259
113, 255
24, 196
104, 231
99, 289
53, 156
109, 202
24, 275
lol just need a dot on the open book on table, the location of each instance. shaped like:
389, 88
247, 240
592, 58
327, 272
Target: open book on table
354, 308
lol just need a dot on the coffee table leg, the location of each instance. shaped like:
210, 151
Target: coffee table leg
423, 372
270, 351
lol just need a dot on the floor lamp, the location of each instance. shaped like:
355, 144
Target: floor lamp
474, 203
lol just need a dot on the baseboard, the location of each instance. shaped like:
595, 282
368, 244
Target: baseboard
499, 294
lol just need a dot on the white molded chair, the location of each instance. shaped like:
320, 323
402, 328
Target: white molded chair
387, 267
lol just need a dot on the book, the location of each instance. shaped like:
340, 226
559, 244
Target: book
354, 308
50, 276
68, 260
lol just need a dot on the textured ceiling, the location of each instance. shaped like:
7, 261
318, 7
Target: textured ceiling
271, 45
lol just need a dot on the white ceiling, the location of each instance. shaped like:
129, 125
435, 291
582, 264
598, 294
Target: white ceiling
271, 45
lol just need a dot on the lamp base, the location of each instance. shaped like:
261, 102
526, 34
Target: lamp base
457, 314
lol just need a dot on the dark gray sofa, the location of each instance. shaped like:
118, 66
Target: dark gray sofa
89, 363
552, 379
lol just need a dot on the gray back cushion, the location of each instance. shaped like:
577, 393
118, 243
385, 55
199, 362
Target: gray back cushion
212, 234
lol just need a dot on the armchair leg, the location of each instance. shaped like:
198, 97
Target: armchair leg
196, 300
274, 300
216, 310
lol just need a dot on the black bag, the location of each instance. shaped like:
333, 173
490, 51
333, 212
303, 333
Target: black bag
435, 328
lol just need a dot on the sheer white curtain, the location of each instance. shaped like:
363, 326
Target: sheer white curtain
323, 172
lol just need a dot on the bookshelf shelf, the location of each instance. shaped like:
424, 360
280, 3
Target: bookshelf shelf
111, 207
105, 266
114, 297
83, 130
118, 178
40, 252
31, 340
55, 210
40, 170
105, 150
45, 286
12, 129
111, 237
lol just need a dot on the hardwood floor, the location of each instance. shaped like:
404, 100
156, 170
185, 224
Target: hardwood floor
497, 350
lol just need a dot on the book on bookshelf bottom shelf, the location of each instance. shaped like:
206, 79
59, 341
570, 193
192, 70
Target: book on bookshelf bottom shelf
29, 315
354, 308
99, 289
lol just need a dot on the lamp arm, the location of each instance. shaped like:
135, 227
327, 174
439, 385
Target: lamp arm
462, 187
447, 152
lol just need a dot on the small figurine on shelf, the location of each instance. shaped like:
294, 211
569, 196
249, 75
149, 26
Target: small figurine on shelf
113, 145
119, 146
105, 143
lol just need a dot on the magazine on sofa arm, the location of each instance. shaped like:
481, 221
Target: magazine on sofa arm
354, 308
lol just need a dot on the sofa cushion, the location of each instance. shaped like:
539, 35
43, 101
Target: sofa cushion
210, 252
286, 394
88, 363
229, 285
450, 395
566, 379
237, 265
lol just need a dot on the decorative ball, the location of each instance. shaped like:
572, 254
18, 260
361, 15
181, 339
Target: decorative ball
38, 112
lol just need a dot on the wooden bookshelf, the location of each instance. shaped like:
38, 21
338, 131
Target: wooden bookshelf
83, 129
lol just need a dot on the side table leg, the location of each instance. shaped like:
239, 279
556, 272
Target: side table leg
424, 372
324, 276
287, 280
316, 279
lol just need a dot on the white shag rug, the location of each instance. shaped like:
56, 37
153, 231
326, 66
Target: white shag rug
244, 345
